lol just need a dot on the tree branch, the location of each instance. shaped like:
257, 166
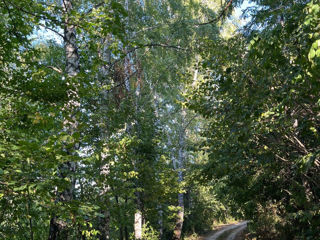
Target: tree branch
189, 122
51, 29
94, 7
157, 45
219, 16
58, 70
34, 14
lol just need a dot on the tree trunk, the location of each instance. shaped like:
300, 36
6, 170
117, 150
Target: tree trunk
138, 217
58, 228
105, 223
28, 211
138, 224
105, 226
121, 232
126, 233
104, 54
160, 220
181, 155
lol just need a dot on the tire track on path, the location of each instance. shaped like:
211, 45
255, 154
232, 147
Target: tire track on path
236, 227
233, 235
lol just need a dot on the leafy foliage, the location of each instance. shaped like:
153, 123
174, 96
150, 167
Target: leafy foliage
254, 152
260, 94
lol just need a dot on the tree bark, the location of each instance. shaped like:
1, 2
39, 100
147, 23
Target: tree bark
105, 55
29, 215
138, 224
181, 155
138, 218
58, 228
105, 231
160, 220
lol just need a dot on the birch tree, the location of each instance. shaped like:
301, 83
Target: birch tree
58, 228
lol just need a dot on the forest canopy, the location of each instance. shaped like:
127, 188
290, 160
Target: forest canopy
149, 119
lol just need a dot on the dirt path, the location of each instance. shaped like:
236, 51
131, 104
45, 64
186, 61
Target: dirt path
234, 229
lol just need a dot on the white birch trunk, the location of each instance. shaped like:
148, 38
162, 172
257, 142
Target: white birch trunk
160, 220
104, 54
72, 69
58, 228
138, 225
181, 158
138, 219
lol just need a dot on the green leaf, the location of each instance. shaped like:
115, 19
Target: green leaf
312, 54
16, 189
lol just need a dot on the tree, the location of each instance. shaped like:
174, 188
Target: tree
84, 145
259, 94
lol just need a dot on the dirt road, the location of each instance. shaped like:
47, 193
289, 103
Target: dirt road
231, 231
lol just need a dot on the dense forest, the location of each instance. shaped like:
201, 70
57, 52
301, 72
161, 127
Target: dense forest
159, 119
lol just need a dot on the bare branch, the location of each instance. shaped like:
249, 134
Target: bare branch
51, 29
301, 144
298, 144
189, 122
157, 45
58, 70
281, 158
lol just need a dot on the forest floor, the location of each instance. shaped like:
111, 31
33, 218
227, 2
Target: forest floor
228, 232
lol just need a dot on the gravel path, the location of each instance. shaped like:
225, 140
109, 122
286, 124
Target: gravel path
234, 233
237, 228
